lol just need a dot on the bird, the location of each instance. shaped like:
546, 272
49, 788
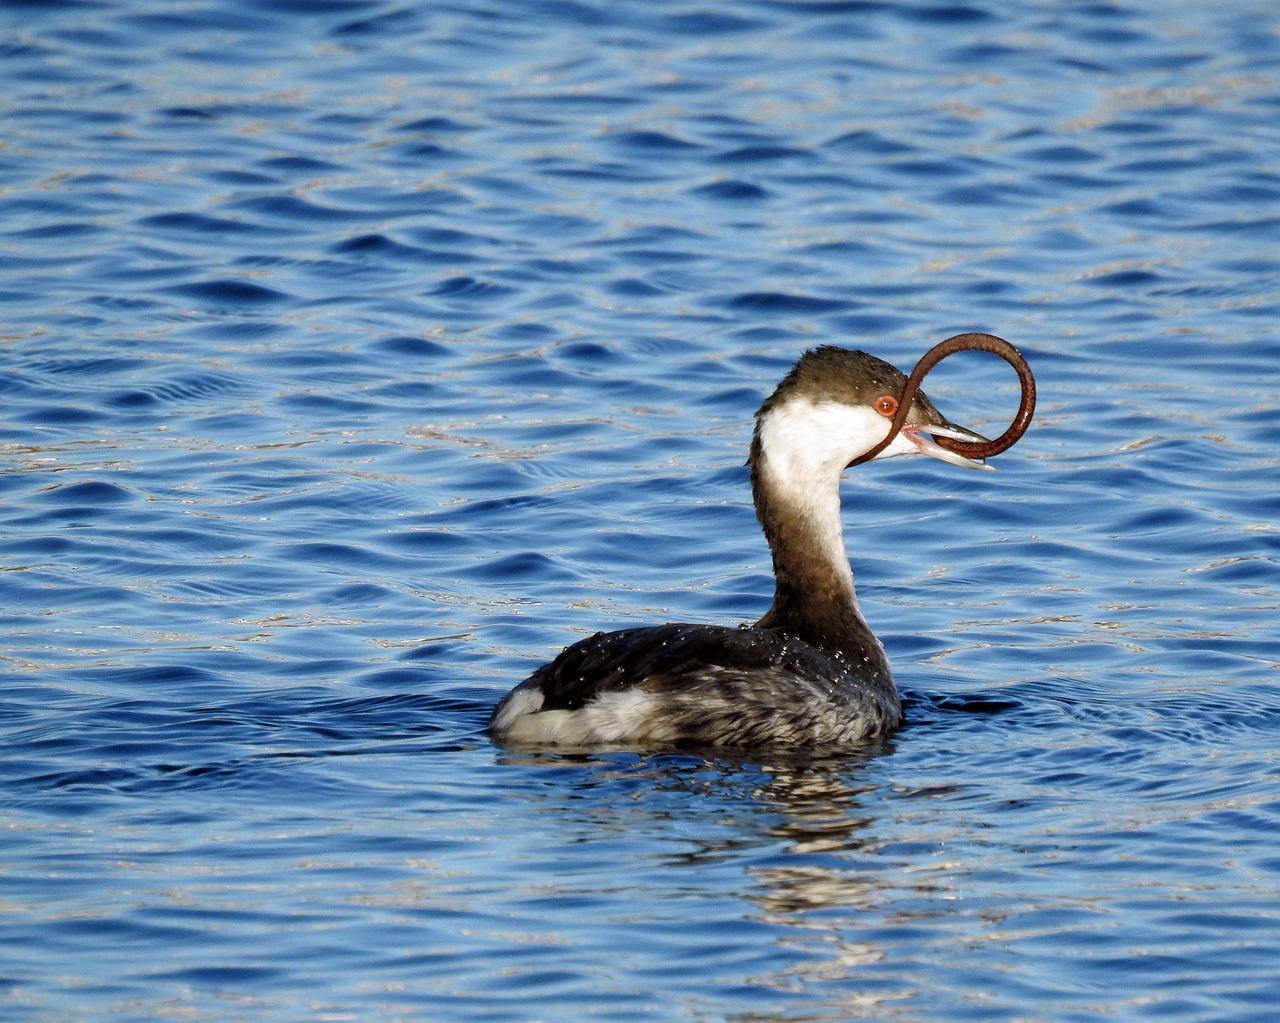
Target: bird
810, 673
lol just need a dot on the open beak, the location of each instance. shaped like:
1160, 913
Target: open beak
921, 437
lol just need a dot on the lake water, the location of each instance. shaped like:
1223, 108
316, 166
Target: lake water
358, 355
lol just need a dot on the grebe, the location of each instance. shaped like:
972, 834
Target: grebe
810, 672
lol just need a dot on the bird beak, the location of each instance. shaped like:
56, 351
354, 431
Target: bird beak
921, 437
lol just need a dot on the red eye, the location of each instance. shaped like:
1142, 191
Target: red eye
886, 405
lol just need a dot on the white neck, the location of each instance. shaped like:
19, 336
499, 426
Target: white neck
803, 448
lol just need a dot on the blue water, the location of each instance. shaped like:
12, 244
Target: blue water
358, 356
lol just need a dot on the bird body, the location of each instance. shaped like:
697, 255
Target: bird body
809, 673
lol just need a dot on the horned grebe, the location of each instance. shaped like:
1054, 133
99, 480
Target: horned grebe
810, 672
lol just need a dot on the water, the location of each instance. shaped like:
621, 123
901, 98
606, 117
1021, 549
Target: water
359, 356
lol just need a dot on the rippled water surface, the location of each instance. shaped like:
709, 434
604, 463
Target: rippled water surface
359, 355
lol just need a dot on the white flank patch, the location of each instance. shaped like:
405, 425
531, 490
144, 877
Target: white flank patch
621, 717
517, 704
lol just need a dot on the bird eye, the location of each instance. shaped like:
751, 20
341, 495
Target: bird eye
886, 405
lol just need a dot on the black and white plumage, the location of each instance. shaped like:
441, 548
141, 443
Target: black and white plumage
810, 673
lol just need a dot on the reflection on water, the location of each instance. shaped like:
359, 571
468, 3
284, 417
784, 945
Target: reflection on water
816, 873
